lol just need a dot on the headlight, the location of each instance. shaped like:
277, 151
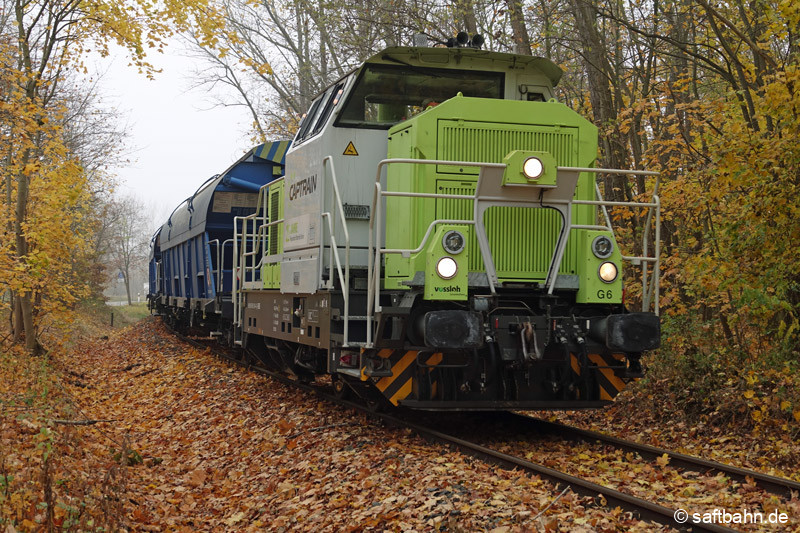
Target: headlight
608, 272
446, 267
533, 168
453, 242
602, 247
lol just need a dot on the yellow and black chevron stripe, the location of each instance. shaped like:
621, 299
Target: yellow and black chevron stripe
398, 386
609, 384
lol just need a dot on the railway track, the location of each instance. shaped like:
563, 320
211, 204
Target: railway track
779, 486
602, 495
522, 435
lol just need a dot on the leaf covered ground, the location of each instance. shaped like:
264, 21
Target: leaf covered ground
141, 432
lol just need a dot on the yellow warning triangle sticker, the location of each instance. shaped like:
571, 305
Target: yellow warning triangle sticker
351, 149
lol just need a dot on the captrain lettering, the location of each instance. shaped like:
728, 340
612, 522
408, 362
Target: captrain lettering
303, 187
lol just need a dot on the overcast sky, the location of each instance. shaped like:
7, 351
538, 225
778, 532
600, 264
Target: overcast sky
176, 139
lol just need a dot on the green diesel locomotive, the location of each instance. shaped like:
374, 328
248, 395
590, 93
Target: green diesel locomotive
439, 241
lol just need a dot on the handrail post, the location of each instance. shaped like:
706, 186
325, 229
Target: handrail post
653, 207
376, 195
344, 281
657, 268
235, 274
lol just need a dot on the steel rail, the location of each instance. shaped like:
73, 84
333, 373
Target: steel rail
642, 509
773, 484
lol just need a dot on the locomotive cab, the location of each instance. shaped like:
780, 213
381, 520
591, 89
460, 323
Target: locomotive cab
346, 133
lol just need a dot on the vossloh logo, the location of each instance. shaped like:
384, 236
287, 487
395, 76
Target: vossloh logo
449, 288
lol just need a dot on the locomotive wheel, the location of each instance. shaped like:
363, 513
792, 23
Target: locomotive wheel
376, 405
305, 377
341, 389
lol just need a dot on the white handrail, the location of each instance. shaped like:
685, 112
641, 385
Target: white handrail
344, 280
376, 216
373, 265
610, 171
235, 273
241, 255
425, 237
652, 287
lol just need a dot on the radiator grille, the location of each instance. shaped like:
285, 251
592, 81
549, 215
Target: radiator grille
522, 239
274, 206
475, 141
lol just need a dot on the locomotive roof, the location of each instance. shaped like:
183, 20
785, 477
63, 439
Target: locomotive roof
480, 59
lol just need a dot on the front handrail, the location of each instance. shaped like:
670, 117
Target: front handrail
240, 257
373, 263
650, 288
344, 279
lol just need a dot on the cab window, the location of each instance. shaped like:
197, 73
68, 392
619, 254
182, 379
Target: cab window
308, 119
384, 95
331, 98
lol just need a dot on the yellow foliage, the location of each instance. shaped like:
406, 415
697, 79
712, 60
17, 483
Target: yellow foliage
46, 225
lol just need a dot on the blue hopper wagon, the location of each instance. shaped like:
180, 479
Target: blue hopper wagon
191, 258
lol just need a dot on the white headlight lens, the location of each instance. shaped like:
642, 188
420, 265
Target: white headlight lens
453, 242
608, 272
446, 267
602, 247
532, 168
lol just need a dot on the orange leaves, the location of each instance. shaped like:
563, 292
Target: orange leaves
663, 460
284, 426
235, 519
226, 449
196, 477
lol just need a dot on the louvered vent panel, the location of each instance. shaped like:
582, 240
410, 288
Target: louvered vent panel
479, 142
460, 210
522, 239
274, 206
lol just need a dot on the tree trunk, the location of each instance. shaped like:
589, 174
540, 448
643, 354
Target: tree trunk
546, 28
17, 318
24, 298
31, 342
599, 75
127, 285
522, 43
465, 14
